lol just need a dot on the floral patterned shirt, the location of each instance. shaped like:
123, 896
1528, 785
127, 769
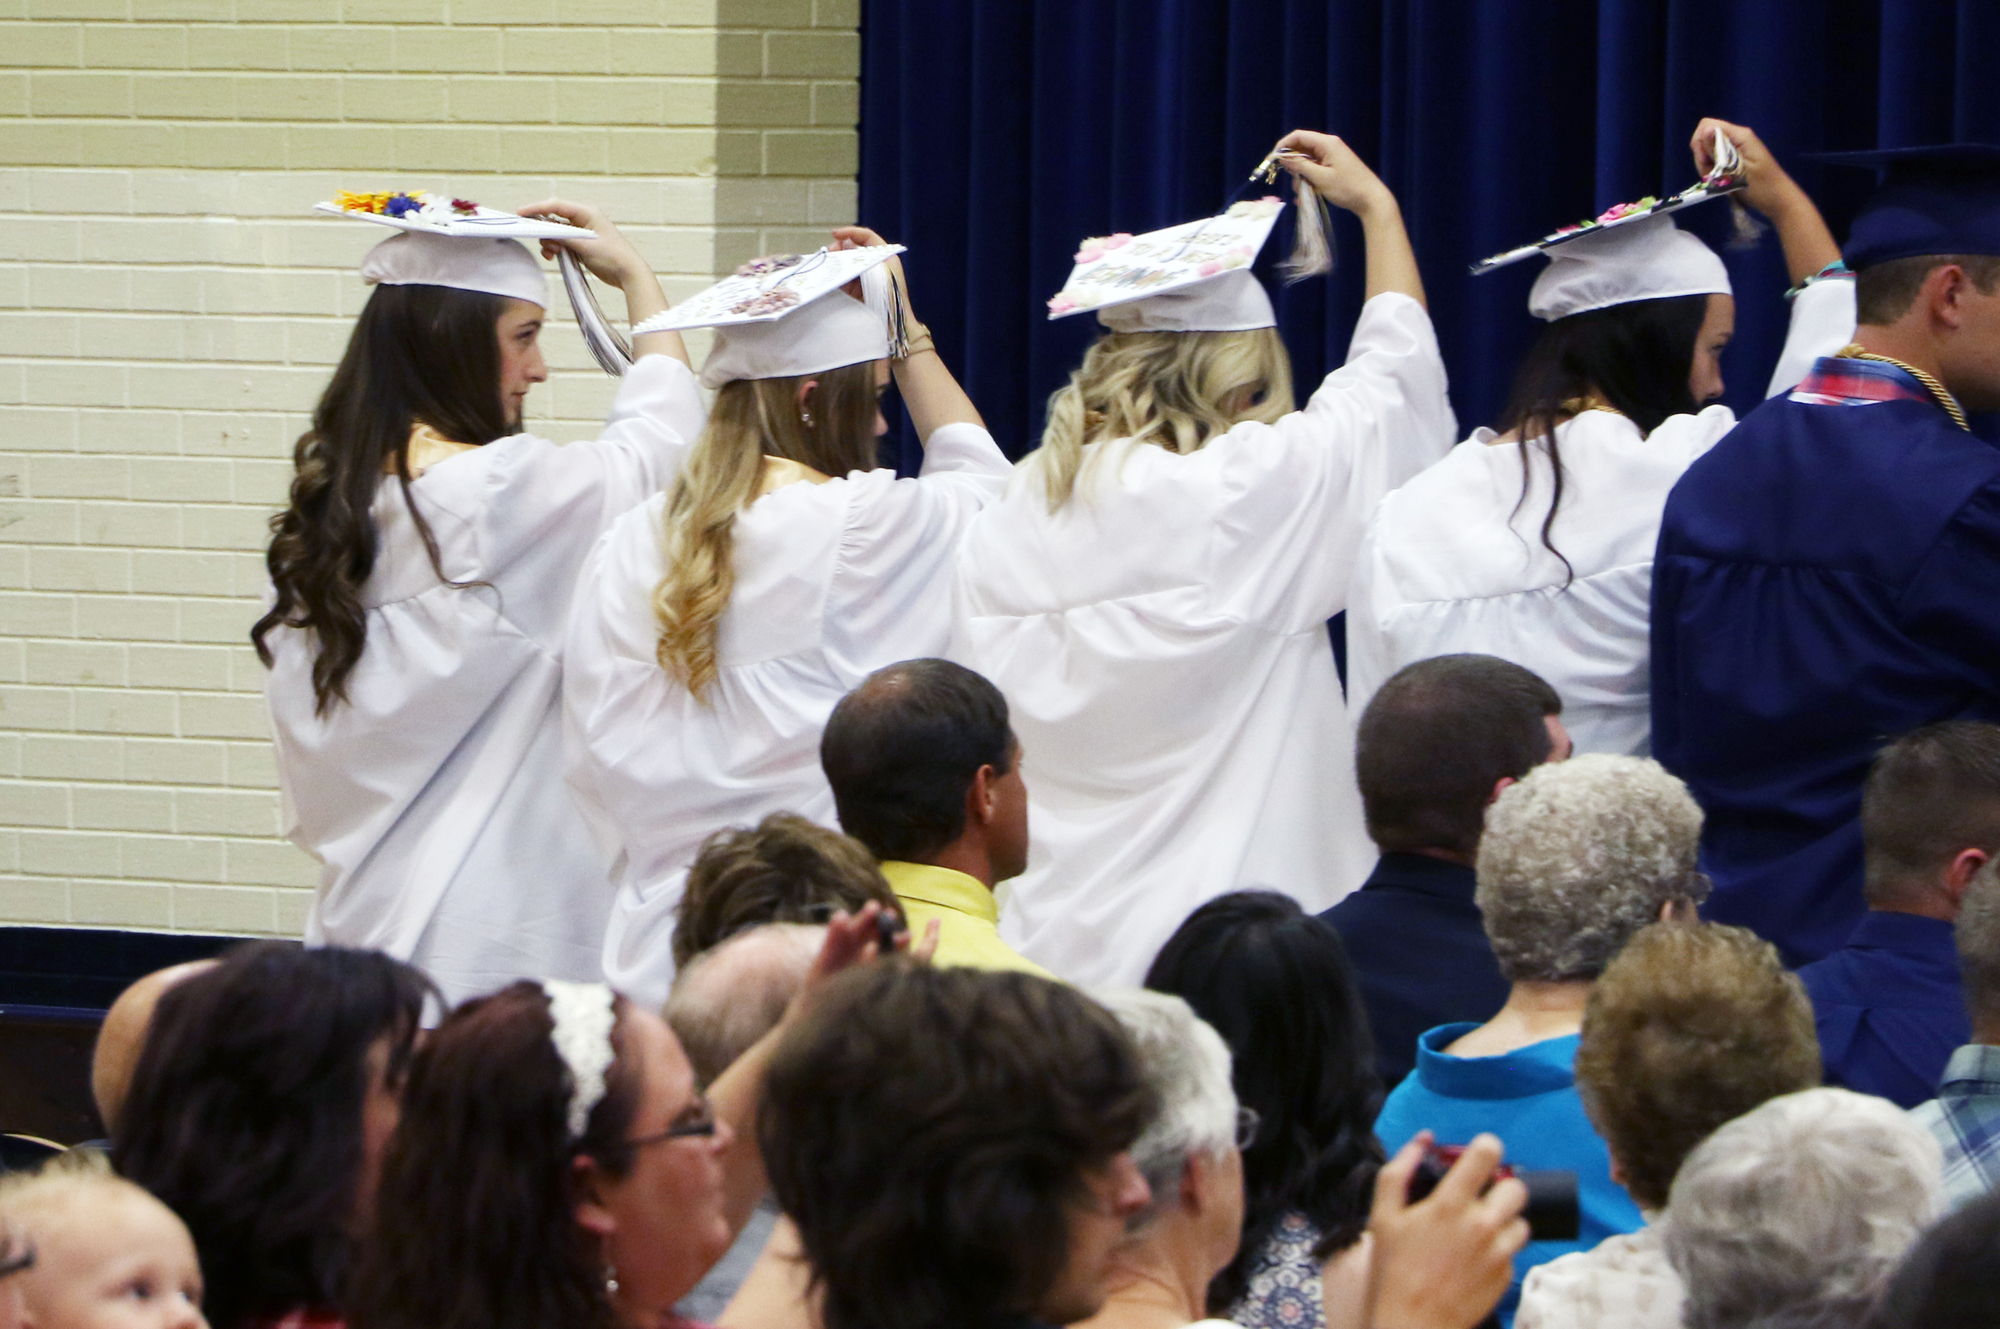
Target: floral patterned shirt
1285, 1291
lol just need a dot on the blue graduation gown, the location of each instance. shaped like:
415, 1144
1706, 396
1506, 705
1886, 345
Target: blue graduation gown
1828, 577
1889, 1007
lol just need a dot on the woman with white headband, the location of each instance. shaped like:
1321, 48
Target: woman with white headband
421, 577
1152, 595
557, 1167
716, 625
1535, 542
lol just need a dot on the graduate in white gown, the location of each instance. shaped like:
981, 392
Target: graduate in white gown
1152, 598
1542, 553
717, 625
421, 578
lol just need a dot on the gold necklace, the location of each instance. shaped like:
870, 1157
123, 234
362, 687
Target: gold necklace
1855, 351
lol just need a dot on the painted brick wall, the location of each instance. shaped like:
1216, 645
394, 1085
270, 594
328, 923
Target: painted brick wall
169, 310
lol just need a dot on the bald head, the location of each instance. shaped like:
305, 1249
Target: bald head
123, 1035
729, 997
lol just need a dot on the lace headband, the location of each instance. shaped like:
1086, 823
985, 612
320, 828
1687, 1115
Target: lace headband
582, 1037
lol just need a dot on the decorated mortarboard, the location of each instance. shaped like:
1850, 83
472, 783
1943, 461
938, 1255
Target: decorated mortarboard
1194, 277
1723, 178
1630, 252
1943, 199
785, 314
455, 242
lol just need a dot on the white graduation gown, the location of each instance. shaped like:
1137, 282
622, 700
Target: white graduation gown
433, 797
1162, 645
1451, 565
833, 581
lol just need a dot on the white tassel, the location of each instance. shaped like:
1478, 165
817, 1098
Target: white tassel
611, 351
1745, 228
884, 299
1312, 238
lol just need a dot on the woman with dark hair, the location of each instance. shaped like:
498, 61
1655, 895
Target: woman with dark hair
421, 576
1535, 543
258, 1112
1276, 983
557, 1167
717, 624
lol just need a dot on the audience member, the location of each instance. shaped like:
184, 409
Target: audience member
1276, 983
723, 1001
783, 870
1444, 1262
1889, 1005
1189, 1155
103, 1254
1575, 859
954, 1147
258, 1111
1690, 1026
557, 1167
1435, 746
1796, 1212
926, 773
123, 1033
17, 1256
1948, 1279
1964, 1118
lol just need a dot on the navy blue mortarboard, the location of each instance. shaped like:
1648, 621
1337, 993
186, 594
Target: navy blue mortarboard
1936, 200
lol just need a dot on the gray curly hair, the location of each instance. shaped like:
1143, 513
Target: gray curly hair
1577, 857
1793, 1215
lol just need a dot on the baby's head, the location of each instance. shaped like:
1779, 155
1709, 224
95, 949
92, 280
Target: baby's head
107, 1254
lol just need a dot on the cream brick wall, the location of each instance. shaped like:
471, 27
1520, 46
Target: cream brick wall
169, 311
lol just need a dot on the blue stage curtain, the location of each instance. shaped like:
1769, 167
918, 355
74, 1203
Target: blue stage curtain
996, 134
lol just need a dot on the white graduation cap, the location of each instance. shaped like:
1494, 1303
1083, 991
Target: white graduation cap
1194, 277
457, 243
785, 315
1629, 252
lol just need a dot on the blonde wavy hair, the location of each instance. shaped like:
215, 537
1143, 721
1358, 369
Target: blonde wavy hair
751, 418
1176, 390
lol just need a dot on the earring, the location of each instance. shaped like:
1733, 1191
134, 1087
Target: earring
610, 1280
806, 418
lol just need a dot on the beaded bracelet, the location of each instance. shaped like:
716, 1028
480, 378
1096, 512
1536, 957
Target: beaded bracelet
1837, 268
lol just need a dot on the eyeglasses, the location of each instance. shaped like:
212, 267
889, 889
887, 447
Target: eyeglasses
1247, 1122
696, 1119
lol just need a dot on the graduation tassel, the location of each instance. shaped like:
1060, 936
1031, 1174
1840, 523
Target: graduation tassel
1312, 235
884, 297
611, 351
1745, 228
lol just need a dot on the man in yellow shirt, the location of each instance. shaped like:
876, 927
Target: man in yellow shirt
927, 774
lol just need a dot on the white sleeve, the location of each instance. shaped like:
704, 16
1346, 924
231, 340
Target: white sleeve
1368, 655
1296, 496
890, 597
655, 418
1822, 322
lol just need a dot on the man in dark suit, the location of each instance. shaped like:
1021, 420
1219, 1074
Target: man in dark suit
1437, 743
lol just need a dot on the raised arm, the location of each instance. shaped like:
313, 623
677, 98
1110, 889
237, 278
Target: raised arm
1807, 242
1344, 180
611, 259
931, 394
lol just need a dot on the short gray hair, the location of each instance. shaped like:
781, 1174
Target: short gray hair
1577, 857
730, 996
1978, 933
1187, 1066
1796, 1212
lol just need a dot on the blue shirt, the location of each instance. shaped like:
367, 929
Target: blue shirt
1528, 1098
1419, 947
1965, 1119
1889, 1007
1825, 579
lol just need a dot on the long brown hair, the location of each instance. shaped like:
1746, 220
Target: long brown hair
750, 418
418, 353
1170, 389
475, 1216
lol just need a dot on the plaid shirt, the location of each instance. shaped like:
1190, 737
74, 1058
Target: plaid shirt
1835, 381
1965, 1118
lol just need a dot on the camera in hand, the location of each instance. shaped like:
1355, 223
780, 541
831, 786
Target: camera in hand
1552, 1209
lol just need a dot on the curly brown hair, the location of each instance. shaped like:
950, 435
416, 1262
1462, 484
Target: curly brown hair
785, 869
1689, 1027
928, 1131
